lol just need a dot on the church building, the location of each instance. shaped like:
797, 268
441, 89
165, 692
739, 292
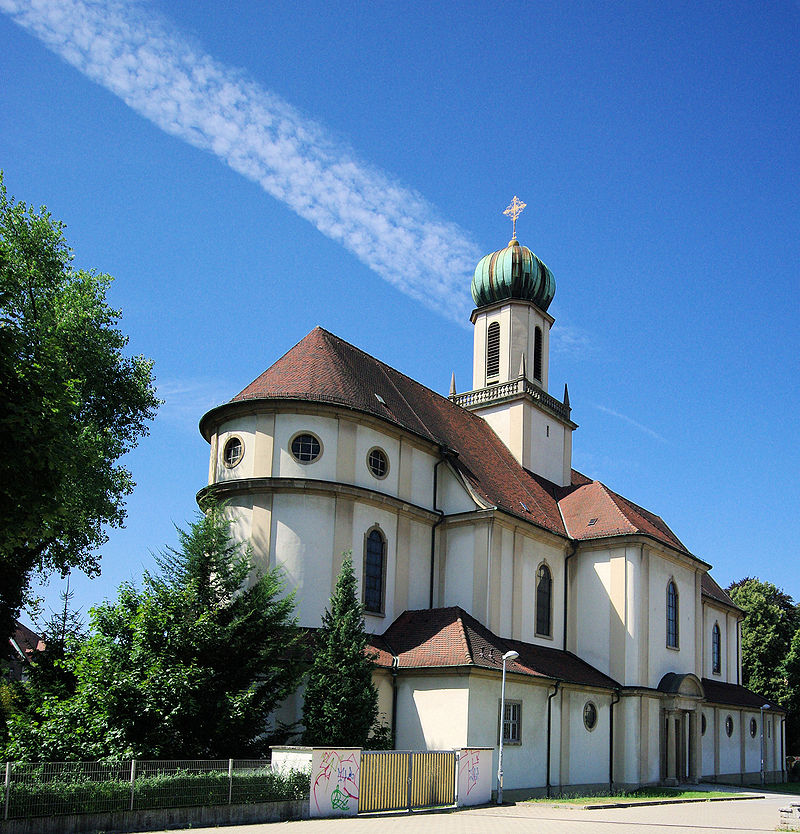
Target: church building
473, 536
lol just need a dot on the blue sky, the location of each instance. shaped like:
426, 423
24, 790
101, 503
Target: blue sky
248, 171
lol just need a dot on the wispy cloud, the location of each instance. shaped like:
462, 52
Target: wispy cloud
631, 422
568, 340
186, 399
132, 51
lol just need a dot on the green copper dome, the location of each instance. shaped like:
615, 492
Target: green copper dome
513, 272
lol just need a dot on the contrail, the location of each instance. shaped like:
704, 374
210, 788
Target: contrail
132, 52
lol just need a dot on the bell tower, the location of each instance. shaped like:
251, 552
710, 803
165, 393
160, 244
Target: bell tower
512, 290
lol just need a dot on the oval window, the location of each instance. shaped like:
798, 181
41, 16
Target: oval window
305, 447
729, 726
589, 715
753, 727
378, 463
233, 452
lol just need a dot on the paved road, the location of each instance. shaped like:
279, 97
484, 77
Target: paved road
727, 817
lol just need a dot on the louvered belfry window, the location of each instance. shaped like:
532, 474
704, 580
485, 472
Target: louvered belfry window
493, 350
537, 354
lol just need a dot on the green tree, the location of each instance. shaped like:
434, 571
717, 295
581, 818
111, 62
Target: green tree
72, 405
770, 621
189, 666
771, 647
792, 669
341, 703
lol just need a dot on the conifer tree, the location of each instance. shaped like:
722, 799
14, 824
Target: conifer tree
341, 702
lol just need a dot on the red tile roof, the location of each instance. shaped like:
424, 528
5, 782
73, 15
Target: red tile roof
591, 510
27, 640
734, 695
325, 368
451, 638
711, 589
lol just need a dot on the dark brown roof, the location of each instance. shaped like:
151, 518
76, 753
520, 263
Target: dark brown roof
325, 368
27, 640
712, 590
450, 637
734, 695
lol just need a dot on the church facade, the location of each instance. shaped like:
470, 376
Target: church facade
472, 536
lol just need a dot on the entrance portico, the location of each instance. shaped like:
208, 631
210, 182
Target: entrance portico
680, 728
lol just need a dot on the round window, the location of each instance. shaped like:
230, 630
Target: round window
305, 447
729, 726
589, 715
233, 451
378, 463
702, 724
753, 727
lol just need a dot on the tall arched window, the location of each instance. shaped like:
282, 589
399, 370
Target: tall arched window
716, 645
374, 563
493, 350
544, 596
672, 615
537, 354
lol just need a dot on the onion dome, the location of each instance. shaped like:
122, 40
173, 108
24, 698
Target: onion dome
513, 272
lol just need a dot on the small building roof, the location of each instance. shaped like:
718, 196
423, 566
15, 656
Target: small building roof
452, 638
735, 695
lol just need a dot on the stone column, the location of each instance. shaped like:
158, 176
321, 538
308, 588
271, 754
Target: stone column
695, 751
672, 778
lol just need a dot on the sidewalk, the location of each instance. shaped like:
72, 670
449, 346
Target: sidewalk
721, 817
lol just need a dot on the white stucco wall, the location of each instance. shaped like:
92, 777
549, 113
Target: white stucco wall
707, 743
587, 761
663, 659
524, 765
729, 748
368, 438
432, 712
592, 608
325, 428
302, 532
459, 573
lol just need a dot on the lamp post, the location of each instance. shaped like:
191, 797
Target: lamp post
512, 655
765, 706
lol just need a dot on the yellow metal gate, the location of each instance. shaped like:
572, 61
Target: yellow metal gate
398, 780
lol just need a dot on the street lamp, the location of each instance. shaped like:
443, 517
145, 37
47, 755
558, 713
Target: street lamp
765, 706
512, 655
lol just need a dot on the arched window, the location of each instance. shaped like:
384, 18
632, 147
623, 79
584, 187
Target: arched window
672, 615
537, 354
716, 644
544, 588
374, 563
493, 350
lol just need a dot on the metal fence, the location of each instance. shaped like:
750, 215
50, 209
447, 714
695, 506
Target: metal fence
394, 780
54, 788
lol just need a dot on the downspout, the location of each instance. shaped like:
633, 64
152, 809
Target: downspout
611, 742
395, 663
442, 457
549, 729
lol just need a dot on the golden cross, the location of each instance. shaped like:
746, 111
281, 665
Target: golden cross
513, 211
